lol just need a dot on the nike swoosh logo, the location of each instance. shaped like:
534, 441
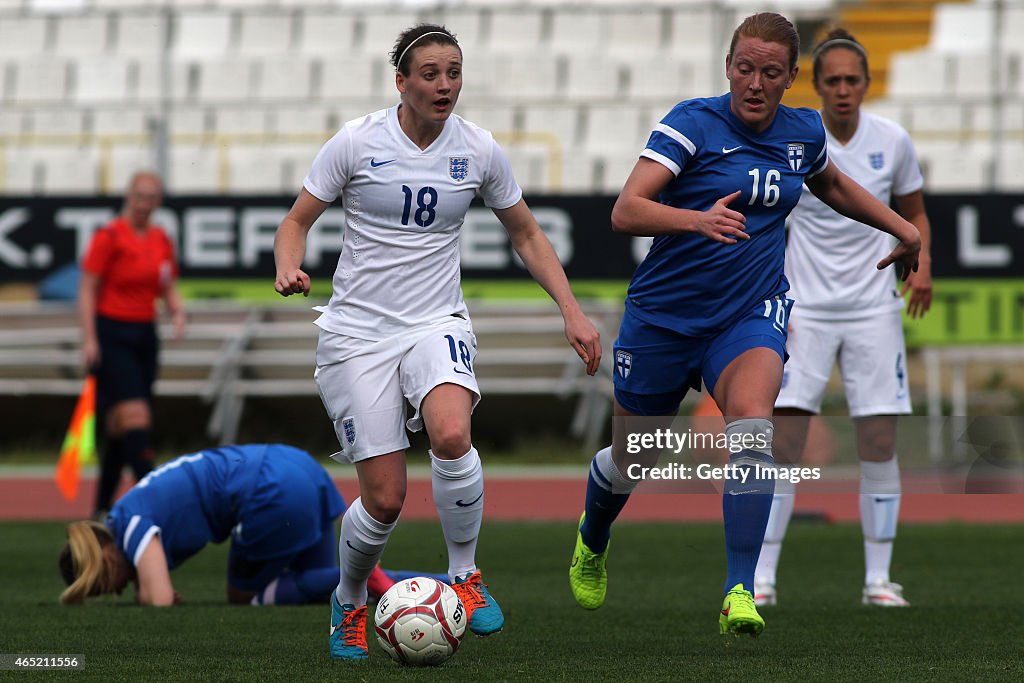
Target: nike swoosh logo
470, 503
726, 611
575, 561
357, 549
734, 492
730, 150
461, 372
378, 164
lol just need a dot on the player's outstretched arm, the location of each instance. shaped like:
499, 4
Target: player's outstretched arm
540, 259
638, 212
919, 283
290, 244
154, 578
843, 194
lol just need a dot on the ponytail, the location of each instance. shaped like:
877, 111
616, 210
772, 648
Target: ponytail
81, 561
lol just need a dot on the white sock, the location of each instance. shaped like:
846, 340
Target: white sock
877, 559
267, 596
459, 497
361, 544
605, 465
778, 522
879, 512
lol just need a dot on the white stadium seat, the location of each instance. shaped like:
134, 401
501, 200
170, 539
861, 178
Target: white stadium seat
244, 120
326, 33
493, 117
63, 121
353, 76
917, 72
559, 120
297, 119
634, 32
149, 80
22, 37
265, 34
201, 35
577, 31
101, 79
962, 28
194, 169
515, 30
594, 78
81, 35
228, 80
284, 78
141, 35
45, 80
121, 120
254, 169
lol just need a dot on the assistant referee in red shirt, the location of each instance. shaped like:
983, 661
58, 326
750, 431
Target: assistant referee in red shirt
129, 264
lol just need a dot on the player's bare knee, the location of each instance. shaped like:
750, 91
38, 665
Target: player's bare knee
129, 415
449, 444
384, 506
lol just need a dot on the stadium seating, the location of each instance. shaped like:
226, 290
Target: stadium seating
540, 74
234, 352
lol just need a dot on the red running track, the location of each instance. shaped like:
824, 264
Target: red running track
561, 499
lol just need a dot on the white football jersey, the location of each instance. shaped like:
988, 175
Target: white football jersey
830, 259
404, 207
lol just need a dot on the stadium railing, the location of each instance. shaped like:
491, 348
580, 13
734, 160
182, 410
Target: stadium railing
233, 352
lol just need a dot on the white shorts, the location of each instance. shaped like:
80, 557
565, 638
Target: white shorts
872, 361
364, 385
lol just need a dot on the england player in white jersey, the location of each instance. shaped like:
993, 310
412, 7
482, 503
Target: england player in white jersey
396, 328
849, 312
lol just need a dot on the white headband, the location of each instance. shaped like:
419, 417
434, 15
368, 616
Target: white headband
398, 64
839, 42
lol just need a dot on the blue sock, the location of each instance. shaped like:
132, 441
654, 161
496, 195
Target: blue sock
745, 509
602, 506
301, 587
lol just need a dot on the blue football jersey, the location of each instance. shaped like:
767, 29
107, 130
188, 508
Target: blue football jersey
695, 285
190, 501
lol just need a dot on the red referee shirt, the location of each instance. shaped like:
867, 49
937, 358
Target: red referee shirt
133, 270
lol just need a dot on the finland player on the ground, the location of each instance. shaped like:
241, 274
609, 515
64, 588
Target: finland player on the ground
714, 186
275, 502
396, 327
847, 312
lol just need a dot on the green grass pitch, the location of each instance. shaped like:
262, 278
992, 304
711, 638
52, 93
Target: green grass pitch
659, 624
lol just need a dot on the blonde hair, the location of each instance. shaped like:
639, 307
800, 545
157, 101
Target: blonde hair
82, 562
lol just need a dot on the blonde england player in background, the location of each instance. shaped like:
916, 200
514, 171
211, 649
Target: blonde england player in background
849, 313
396, 328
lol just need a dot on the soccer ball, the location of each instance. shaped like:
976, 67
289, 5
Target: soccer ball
420, 622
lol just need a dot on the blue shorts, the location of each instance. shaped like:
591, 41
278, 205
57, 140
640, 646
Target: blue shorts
286, 522
656, 366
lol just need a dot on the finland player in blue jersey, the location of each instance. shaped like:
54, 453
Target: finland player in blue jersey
713, 187
275, 503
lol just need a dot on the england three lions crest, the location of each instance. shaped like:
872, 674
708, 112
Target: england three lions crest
348, 426
796, 155
458, 168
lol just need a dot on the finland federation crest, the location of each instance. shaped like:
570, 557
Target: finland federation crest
458, 168
795, 154
877, 160
348, 426
623, 363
